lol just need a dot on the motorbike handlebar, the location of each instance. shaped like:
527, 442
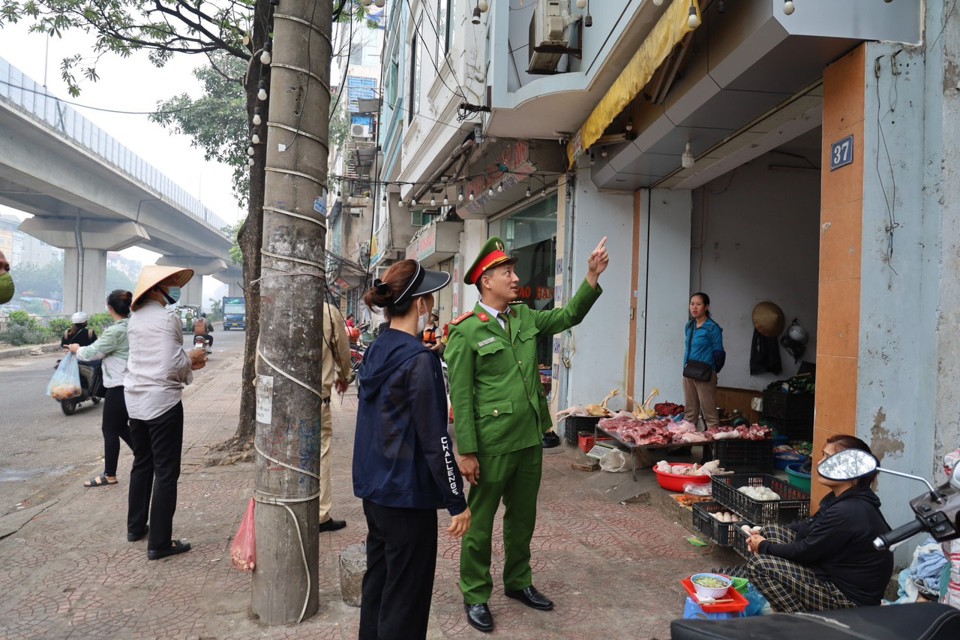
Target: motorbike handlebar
899, 534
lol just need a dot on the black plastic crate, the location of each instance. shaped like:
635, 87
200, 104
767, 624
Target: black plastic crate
790, 413
740, 541
794, 503
720, 532
573, 425
744, 455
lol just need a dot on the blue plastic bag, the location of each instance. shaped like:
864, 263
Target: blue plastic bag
756, 600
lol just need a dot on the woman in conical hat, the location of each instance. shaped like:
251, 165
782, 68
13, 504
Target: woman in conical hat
157, 370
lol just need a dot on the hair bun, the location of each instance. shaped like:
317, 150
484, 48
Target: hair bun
382, 287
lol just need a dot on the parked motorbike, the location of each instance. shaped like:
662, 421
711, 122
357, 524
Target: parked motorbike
937, 513
356, 359
91, 387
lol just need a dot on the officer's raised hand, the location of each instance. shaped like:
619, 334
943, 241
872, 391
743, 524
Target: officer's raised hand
597, 263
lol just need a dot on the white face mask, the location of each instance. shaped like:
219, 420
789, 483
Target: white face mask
422, 319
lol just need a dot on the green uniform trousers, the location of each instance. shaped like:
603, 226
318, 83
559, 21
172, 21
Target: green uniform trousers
513, 478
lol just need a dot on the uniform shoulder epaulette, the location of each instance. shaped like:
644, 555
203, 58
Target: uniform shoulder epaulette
462, 318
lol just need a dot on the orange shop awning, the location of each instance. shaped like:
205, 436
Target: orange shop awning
673, 25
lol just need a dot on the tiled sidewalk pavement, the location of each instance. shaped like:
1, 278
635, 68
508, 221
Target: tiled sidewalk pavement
612, 568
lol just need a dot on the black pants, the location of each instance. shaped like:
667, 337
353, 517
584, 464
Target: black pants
157, 446
398, 584
115, 427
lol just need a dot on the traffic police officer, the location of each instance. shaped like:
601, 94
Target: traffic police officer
501, 413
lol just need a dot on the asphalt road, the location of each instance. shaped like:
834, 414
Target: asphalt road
43, 450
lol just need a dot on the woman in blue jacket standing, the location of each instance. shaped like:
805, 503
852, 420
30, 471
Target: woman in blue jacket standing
404, 467
702, 360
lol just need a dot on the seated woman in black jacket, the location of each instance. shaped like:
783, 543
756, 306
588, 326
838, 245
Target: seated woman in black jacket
826, 561
404, 467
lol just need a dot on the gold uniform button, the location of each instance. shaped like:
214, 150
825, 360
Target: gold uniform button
496, 412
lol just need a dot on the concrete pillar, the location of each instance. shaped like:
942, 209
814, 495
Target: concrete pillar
192, 292
84, 281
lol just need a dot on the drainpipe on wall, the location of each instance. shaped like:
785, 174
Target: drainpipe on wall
79, 239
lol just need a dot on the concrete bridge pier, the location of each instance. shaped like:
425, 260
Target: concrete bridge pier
84, 280
192, 293
85, 243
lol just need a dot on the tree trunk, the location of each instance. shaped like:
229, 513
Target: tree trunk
289, 360
250, 236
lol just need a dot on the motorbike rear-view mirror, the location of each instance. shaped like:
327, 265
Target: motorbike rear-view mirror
853, 464
849, 464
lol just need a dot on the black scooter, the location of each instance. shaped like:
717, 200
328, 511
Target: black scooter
937, 513
91, 386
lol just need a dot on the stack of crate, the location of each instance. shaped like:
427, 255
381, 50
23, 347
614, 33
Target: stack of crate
794, 504
791, 414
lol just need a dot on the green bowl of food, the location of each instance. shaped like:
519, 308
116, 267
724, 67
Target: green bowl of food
710, 586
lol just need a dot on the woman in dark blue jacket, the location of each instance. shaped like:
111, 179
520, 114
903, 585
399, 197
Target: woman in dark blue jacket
704, 345
404, 467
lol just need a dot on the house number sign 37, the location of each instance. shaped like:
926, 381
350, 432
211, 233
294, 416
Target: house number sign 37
841, 153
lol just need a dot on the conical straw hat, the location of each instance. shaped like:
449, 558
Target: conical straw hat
768, 319
154, 274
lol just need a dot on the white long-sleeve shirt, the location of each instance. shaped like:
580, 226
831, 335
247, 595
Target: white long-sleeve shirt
157, 368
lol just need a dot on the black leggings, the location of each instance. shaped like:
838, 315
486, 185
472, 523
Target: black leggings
115, 428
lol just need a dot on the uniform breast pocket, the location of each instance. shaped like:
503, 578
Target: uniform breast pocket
526, 335
493, 358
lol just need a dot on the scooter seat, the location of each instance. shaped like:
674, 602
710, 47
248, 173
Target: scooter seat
894, 622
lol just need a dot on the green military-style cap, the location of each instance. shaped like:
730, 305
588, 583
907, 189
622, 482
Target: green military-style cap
491, 255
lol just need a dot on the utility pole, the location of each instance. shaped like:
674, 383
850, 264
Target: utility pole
289, 356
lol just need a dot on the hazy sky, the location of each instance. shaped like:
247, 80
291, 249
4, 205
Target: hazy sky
130, 84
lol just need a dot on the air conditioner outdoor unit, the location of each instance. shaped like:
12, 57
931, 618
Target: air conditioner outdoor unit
360, 130
549, 36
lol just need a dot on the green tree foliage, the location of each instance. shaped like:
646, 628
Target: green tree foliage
123, 27
217, 121
117, 279
23, 329
236, 253
216, 310
40, 281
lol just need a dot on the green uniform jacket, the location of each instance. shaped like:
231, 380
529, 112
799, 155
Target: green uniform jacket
499, 403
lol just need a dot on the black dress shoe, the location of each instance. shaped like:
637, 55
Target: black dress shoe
177, 546
479, 617
531, 597
134, 537
332, 525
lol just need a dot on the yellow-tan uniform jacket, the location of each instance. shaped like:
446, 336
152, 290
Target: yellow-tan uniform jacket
499, 403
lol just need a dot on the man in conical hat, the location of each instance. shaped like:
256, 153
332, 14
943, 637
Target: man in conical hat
500, 409
157, 370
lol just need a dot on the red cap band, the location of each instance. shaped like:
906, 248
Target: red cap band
492, 259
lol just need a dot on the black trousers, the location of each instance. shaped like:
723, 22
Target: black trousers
398, 584
115, 427
157, 447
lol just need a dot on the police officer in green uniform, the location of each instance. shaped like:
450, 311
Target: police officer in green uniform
500, 411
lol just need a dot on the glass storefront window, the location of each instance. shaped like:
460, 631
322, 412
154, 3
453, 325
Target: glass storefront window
530, 236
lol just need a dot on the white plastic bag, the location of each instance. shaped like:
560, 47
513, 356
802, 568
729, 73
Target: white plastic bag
614, 461
65, 383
